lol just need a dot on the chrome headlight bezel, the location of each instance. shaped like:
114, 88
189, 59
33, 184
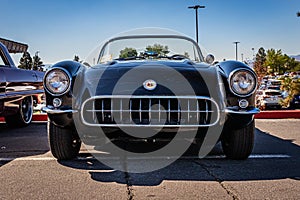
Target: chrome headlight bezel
248, 75
65, 80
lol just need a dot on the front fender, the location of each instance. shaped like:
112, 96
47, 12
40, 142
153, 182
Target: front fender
225, 69
71, 66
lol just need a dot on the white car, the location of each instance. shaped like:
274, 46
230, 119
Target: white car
268, 99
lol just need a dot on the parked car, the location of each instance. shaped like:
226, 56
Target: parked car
133, 82
295, 101
19, 88
274, 87
269, 99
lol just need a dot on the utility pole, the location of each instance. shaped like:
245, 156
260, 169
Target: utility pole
196, 7
236, 50
253, 52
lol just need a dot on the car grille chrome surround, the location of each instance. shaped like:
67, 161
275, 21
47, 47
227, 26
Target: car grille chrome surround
150, 111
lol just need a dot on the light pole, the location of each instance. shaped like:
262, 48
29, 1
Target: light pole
236, 50
196, 7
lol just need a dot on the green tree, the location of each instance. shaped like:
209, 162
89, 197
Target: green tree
259, 64
292, 87
291, 64
37, 62
128, 52
76, 58
159, 49
25, 61
186, 54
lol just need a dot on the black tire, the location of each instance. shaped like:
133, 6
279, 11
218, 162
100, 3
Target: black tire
238, 144
24, 114
64, 143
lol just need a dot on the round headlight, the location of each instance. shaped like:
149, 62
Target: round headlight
243, 82
57, 81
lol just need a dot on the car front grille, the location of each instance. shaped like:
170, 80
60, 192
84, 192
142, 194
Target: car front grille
150, 111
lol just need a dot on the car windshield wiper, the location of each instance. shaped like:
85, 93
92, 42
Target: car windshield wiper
175, 57
131, 58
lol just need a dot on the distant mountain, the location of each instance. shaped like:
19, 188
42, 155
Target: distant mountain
296, 57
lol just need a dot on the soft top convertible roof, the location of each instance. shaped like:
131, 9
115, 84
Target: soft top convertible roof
14, 47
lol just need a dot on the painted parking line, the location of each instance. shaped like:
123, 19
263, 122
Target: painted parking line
253, 156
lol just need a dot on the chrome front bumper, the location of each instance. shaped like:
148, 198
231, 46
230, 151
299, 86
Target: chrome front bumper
233, 110
54, 111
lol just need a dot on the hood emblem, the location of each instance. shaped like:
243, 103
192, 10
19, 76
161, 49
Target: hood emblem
149, 84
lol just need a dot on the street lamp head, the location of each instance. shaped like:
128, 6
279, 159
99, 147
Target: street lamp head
298, 14
196, 7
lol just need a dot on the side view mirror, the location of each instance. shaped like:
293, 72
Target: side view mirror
209, 59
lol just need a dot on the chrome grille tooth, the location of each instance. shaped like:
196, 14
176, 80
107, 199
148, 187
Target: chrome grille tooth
197, 107
159, 110
94, 113
102, 109
188, 111
121, 110
140, 110
130, 108
111, 110
169, 111
149, 115
206, 113
178, 112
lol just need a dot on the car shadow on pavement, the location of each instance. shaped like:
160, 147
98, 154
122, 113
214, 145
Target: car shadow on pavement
22, 142
273, 158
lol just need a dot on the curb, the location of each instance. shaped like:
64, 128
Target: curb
278, 114
35, 118
275, 114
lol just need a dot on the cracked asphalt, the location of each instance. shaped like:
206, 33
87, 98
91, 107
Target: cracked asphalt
28, 170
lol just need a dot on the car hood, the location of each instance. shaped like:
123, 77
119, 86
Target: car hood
172, 78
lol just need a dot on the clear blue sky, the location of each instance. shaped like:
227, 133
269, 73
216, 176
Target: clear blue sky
59, 29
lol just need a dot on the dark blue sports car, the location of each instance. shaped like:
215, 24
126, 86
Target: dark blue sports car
150, 87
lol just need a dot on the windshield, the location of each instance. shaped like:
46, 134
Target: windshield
273, 93
150, 47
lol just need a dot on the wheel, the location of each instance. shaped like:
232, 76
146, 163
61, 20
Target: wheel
64, 143
24, 114
238, 144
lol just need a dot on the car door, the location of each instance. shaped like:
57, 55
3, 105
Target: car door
2, 81
21, 81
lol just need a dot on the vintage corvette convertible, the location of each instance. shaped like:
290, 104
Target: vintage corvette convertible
150, 87
18, 91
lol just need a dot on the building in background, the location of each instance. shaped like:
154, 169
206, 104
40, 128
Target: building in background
14, 47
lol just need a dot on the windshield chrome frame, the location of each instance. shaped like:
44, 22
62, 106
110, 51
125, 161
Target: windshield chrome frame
201, 57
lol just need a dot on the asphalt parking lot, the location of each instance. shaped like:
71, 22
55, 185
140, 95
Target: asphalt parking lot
28, 170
